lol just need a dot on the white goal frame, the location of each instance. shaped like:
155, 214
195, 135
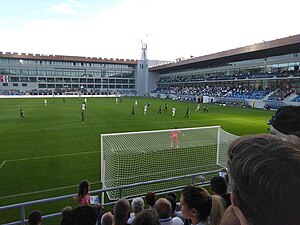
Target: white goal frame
117, 148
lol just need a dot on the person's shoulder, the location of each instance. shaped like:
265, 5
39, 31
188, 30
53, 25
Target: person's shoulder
177, 221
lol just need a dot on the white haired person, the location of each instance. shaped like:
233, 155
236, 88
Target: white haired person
137, 206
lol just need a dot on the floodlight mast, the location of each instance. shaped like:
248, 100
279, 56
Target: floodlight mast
144, 49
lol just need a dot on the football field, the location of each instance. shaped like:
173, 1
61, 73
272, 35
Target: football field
50, 150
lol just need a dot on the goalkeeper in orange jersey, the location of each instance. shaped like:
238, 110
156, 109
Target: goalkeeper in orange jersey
174, 136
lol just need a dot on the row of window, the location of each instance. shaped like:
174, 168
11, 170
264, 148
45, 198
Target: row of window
62, 63
64, 72
70, 80
105, 86
14, 84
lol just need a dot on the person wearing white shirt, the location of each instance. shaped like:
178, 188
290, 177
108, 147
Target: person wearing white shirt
173, 111
83, 107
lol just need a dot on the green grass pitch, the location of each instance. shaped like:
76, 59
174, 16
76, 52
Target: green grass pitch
51, 150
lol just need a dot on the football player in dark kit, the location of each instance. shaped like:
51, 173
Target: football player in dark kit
21, 112
187, 113
132, 112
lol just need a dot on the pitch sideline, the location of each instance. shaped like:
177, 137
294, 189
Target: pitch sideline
41, 191
44, 157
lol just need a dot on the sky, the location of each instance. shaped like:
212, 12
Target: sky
116, 28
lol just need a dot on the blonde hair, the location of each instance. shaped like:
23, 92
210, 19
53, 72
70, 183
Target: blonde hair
217, 210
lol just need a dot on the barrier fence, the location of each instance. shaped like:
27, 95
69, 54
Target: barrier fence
22, 206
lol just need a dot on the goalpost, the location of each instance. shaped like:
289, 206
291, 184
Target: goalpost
135, 157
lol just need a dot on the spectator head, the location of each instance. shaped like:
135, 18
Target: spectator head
35, 218
218, 185
150, 198
163, 208
286, 121
172, 194
217, 210
82, 215
121, 212
146, 217
264, 175
196, 204
137, 205
172, 201
107, 219
84, 187
66, 211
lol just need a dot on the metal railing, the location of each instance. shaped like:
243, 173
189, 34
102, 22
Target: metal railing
22, 206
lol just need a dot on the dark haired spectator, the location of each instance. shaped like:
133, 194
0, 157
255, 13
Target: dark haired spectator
137, 206
35, 218
219, 187
163, 208
286, 121
146, 217
150, 199
65, 211
121, 212
83, 193
173, 194
264, 172
198, 206
174, 213
82, 215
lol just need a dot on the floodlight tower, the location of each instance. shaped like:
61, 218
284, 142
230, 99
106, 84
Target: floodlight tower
144, 50
142, 71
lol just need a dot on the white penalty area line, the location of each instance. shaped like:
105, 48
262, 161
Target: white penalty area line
2, 164
44, 157
43, 191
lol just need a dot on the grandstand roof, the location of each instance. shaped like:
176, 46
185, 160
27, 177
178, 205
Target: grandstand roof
276, 47
30, 56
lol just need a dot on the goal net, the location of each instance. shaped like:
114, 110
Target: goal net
134, 157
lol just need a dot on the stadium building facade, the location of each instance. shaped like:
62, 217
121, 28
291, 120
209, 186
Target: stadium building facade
40, 74
264, 66
272, 66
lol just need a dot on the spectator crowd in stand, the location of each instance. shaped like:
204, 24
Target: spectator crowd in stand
217, 77
238, 91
